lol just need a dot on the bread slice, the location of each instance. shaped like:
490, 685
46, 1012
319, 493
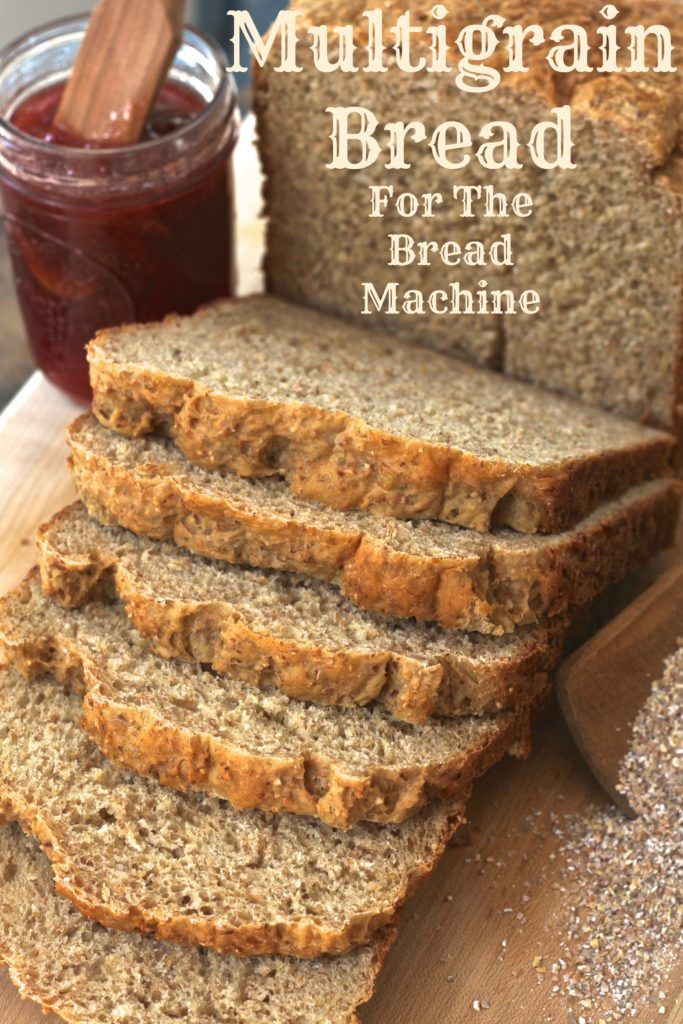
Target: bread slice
430, 571
262, 388
256, 748
292, 632
603, 246
93, 975
134, 855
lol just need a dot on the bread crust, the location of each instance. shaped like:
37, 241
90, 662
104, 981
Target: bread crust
311, 786
305, 939
71, 841
215, 632
137, 737
341, 461
79, 1003
494, 595
27, 989
74, 1005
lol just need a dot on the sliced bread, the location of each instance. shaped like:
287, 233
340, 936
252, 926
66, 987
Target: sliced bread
293, 632
260, 387
134, 855
93, 975
491, 583
257, 748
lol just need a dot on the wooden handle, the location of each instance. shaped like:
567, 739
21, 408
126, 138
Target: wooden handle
122, 63
603, 686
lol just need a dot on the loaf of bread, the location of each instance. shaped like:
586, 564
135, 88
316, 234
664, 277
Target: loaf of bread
192, 729
134, 855
292, 632
429, 571
93, 975
354, 420
603, 247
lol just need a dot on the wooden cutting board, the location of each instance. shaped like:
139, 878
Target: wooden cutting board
449, 953
625, 657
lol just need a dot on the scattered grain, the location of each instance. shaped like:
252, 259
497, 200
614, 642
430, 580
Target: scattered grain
626, 917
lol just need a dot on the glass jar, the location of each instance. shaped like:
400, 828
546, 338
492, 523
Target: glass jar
100, 237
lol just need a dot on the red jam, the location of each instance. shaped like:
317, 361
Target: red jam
83, 261
174, 108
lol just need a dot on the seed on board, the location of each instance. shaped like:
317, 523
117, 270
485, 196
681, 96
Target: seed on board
618, 950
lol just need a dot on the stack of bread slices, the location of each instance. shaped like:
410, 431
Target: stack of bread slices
316, 583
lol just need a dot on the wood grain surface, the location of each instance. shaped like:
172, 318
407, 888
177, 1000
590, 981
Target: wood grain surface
604, 685
449, 954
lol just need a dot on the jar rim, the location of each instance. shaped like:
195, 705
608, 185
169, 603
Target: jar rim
227, 91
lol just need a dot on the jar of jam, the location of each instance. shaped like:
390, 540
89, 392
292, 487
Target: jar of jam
100, 237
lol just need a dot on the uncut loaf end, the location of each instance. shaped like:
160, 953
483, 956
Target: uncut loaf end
195, 730
279, 629
490, 583
609, 326
93, 975
359, 420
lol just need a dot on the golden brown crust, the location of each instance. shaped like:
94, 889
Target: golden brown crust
493, 598
313, 785
215, 633
29, 987
306, 939
341, 461
140, 739
382, 947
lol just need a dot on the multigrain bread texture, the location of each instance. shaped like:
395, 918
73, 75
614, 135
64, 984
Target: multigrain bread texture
603, 247
491, 583
355, 420
257, 748
188, 868
93, 975
292, 632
